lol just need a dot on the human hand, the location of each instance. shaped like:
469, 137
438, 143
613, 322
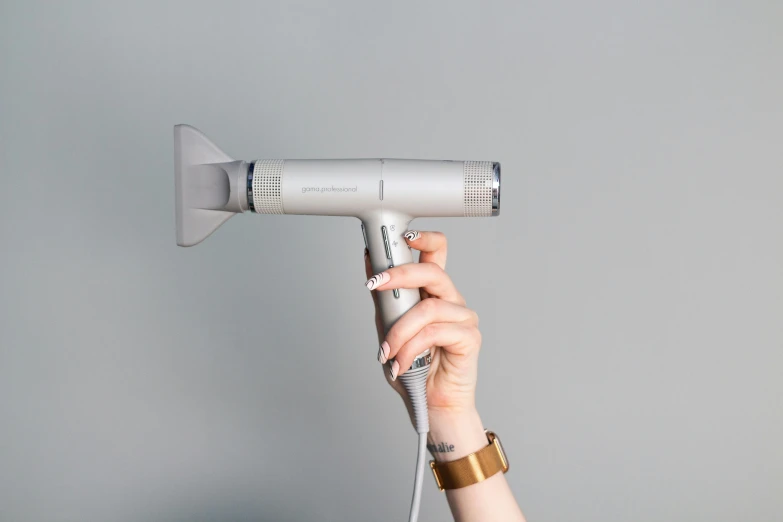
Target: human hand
443, 323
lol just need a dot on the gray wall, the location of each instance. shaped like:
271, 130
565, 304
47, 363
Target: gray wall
631, 292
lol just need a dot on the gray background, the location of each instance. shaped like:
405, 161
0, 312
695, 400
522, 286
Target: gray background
630, 293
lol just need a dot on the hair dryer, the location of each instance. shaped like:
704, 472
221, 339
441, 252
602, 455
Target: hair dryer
385, 194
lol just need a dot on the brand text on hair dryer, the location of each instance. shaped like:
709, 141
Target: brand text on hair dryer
332, 188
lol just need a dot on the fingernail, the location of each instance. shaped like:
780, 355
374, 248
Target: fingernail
412, 235
383, 353
394, 369
366, 253
377, 280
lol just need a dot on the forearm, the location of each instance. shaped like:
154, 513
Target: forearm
453, 436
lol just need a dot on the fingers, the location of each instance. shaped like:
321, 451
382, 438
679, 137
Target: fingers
432, 246
455, 338
427, 276
414, 320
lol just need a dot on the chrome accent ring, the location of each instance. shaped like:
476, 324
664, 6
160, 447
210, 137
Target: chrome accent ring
495, 188
421, 361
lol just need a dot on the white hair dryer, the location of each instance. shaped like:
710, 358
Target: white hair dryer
385, 194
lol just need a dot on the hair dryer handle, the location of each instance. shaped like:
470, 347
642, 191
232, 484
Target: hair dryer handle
384, 239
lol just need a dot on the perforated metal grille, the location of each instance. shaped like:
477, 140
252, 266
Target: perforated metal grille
267, 177
478, 188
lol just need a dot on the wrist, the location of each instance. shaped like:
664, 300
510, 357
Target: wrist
455, 434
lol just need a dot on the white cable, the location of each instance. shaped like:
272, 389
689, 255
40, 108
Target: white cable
415, 383
419, 480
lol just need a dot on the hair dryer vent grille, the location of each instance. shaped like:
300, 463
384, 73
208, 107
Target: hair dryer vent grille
267, 198
478, 176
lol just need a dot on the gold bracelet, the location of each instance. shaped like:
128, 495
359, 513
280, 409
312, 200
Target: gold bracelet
472, 468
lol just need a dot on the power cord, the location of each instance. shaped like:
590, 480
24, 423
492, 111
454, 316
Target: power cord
415, 383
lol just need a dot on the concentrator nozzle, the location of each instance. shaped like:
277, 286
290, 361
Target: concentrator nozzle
209, 185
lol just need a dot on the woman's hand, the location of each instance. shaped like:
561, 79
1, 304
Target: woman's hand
443, 323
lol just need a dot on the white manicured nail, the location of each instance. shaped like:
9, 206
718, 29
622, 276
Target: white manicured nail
394, 369
412, 235
383, 352
377, 280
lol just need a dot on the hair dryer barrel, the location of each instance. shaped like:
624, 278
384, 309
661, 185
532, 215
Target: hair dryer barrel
359, 187
211, 187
